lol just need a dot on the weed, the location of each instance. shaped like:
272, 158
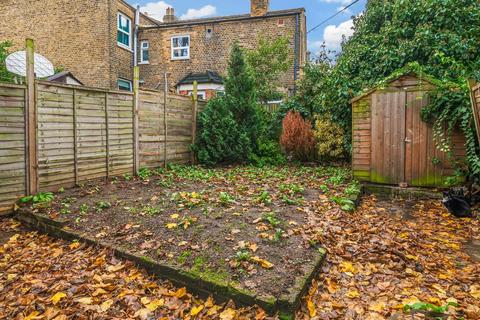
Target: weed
432, 311
152, 211
272, 219
353, 188
102, 205
83, 209
264, 198
278, 235
225, 199
242, 255
344, 203
291, 188
184, 256
145, 173
324, 188
290, 201
127, 177
42, 197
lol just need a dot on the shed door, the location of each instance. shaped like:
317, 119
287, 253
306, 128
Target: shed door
403, 148
388, 137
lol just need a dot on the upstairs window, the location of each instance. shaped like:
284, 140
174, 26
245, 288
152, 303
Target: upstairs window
124, 31
125, 85
181, 48
144, 54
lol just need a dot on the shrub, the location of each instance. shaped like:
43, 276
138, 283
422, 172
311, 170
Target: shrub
269, 154
297, 137
329, 138
219, 139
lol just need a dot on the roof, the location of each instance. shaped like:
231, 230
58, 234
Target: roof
206, 77
62, 75
270, 14
393, 78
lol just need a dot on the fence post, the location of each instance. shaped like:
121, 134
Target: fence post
107, 136
136, 103
475, 107
75, 137
165, 124
194, 118
31, 124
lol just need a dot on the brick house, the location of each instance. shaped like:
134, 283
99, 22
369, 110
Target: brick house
99, 41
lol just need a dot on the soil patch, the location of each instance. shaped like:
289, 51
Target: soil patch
238, 227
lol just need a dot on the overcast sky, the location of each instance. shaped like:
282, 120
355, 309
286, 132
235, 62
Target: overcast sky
317, 11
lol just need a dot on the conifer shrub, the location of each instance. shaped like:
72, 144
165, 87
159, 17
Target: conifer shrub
329, 139
297, 138
219, 140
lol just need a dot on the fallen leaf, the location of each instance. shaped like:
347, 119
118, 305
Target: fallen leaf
87, 301
171, 225
155, 304
181, 293
311, 308
196, 310
352, 294
106, 305
57, 297
264, 263
228, 314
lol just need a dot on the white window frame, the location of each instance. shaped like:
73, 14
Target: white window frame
126, 80
180, 48
142, 49
119, 16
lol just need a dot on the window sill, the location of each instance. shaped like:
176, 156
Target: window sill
144, 62
180, 59
124, 47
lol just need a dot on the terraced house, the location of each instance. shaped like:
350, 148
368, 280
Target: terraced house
99, 42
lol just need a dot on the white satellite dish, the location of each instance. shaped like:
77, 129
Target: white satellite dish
17, 64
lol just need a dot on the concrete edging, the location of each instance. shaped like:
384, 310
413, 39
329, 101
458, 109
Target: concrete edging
285, 305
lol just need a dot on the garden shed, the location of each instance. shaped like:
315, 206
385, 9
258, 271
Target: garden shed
391, 143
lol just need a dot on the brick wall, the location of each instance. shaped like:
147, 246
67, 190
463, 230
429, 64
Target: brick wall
213, 54
69, 33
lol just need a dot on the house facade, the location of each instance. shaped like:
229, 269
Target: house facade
99, 41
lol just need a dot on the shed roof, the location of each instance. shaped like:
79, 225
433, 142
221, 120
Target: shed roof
64, 74
394, 77
205, 77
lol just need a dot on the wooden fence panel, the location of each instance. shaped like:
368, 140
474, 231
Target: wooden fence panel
151, 129
12, 145
120, 133
88, 133
55, 137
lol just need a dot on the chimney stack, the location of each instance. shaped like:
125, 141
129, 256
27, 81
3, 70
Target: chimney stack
169, 16
259, 8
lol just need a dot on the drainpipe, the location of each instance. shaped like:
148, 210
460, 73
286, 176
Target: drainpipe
135, 36
296, 53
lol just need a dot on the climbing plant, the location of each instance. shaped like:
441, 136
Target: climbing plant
5, 76
439, 36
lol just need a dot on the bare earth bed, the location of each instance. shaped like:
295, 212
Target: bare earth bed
241, 228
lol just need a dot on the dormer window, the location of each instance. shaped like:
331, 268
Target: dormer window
181, 48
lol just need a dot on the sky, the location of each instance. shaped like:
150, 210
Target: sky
317, 11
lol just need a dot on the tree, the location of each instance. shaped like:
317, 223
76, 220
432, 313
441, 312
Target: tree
268, 62
5, 75
219, 139
241, 98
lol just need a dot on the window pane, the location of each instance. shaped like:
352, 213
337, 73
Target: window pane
145, 45
176, 42
124, 85
185, 42
176, 53
184, 53
123, 38
145, 55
